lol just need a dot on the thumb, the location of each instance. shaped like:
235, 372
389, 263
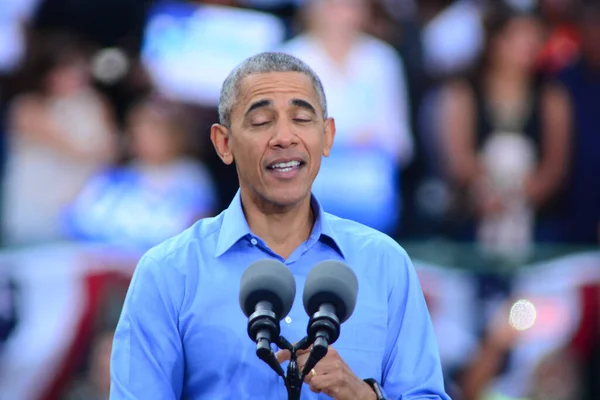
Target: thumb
283, 355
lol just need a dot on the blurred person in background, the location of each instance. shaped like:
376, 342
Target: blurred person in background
505, 135
510, 365
364, 83
160, 192
95, 384
562, 45
521, 356
582, 81
8, 309
15, 18
420, 33
61, 132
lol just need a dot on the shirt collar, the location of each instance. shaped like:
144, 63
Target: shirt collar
235, 227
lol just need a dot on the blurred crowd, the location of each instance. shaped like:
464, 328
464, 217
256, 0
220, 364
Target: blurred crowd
469, 120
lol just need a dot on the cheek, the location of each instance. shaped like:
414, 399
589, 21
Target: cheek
316, 152
247, 156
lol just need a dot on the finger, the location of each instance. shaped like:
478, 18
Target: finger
332, 384
302, 361
323, 367
331, 355
327, 364
321, 383
308, 376
316, 383
331, 352
303, 351
283, 355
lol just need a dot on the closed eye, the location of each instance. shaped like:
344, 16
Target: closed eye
302, 120
257, 124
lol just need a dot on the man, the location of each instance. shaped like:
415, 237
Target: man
182, 333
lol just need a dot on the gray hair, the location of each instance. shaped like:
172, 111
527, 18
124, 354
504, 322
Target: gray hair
261, 64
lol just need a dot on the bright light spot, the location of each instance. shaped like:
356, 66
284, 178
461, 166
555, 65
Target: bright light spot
522, 315
110, 65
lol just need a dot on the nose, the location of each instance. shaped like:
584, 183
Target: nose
283, 136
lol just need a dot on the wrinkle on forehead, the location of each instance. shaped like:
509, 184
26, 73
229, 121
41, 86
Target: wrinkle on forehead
259, 85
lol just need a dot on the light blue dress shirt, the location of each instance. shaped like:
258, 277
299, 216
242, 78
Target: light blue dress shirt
182, 334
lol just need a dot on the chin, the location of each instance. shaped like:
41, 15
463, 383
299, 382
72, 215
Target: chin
286, 197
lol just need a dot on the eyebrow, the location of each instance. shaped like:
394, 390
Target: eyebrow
295, 102
304, 104
257, 104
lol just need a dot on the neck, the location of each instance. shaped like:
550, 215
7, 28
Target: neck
337, 46
509, 76
283, 228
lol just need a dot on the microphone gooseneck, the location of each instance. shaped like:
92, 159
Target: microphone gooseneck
329, 299
267, 292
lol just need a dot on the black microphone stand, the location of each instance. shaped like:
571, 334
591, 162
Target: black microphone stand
294, 377
323, 329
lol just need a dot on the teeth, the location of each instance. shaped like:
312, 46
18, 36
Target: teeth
286, 166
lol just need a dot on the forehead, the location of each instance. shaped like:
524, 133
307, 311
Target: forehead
524, 22
274, 84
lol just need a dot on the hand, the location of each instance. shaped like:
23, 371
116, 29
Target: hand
538, 190
501, 334
332, 376
485, 199
533, 190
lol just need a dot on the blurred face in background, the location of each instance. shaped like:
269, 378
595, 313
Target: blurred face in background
68, 76
337, 18
517, 44
155, 138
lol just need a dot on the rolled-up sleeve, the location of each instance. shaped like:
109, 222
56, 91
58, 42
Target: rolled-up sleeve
412, 368
147, 358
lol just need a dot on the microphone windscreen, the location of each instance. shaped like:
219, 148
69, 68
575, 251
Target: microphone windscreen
331, 282
267, 280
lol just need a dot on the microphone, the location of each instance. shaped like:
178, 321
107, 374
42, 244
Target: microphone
329, 299
267, 292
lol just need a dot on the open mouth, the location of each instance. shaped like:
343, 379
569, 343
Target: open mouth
285, 166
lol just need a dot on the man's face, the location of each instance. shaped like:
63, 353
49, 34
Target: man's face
277, 137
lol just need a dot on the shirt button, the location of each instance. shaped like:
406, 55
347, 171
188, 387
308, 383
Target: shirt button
288, 320
254, 241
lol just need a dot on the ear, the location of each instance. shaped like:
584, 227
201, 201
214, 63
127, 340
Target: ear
329, 136
220, 138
